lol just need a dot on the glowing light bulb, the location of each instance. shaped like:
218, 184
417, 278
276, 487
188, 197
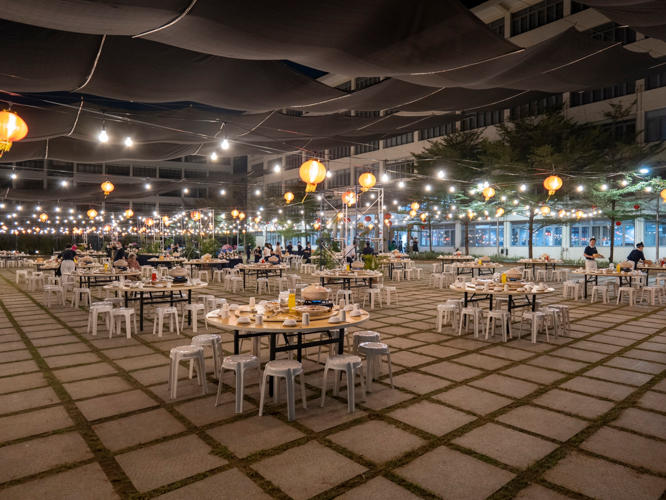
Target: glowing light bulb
213, 156
128, 141
103, 137
225, 144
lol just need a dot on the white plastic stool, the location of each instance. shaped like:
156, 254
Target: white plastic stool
218, 273
371, 292
183, 353
363, 336
287, 369
345, 294
552, 319
237, 284
104, 309
527, 274
351, 364
471, 313
542, 275
446, 313
194, 308
574, 287
599, 289
124, 313
408, 274
262, 285
204, 276
390, 290
81, 295
373, 354
158, 322
238, 363
213, 341
23, 273
505, 320
652, 292
282, 284
537, 322
35, 281
397, 275
629, 292
59, 293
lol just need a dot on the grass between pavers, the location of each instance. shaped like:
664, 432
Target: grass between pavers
432, 442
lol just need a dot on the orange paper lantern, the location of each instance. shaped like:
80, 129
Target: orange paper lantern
663, 196
44, 217
92, 213
545, 210
196, 215
107, 187
129, 212
412, 213
414, 206
234, 213
366, 180
488, 193
12, 129
289, 197
312, 173
552, 184
500, 212
349, 198
241, 216
423, 217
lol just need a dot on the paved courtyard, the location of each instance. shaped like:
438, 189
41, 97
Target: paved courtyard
85, 417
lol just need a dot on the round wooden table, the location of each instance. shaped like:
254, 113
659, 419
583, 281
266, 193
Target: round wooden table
361, 278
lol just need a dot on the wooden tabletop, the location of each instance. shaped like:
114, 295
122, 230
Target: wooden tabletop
170, 259
456, 257
154, 288
492, 265
316, 325
613, 274
211, 261
264, 267
539, 261
362, 274
104, 273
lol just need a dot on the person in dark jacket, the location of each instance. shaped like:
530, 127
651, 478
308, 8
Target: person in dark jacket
368, 250
307, 252
637, 255
120, 253
415, 245
66, 261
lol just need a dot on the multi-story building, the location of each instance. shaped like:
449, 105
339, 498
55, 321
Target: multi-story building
525, 23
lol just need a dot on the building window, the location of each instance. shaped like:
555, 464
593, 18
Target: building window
57, 168
195, 174
257, 167
171, 173
340, 178
498, 27
440, 238
88, 168
29, 184
365, 82
399, 140
345, 86
549, 236
577, 7
620, 130
367, 114
396, 169
273, 189
117, 170
431, 133
144, 171
294, 161
195, 159
367, 148
613, 32
293, 112
655, 81
589, 96
485, 235
655, 125
601, 230
537, 107
536, 16
650, 236
31, 164
341, 152
291, 183
479, 120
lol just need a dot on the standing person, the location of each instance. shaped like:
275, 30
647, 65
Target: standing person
66, 261
591, 256
300, 249
350, 253
248, 253
415, 245
637, 255
307, 252
400, 246
290, 247
368, 249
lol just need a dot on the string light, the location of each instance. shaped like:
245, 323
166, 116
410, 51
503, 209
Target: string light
213, 156
128, 141
225, 144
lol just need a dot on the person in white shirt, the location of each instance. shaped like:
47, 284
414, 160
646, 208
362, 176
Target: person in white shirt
350, 253
267, 251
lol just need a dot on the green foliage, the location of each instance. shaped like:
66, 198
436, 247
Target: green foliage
371, 262
152, 247
209, 245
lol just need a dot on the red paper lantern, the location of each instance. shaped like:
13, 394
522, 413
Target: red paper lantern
618, 223
388, 216
422, 227
368, 218
636, 207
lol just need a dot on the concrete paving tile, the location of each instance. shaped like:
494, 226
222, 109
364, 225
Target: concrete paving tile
660, 386
466, 344
7, 369
293, 473
577, 404
72, 359
165, 463
579, 355
87, 482
378, 488
402, 343
59, 350
598, 478
474, 400
126, 352
534, 374
505, 385
106, 343
227, 485
625, 335
433, 418
452, 371
419, 383
115, 404
26, 400
506, 445
203, 411
427, 337
636, 365
628, 448
642, 421
253, 434
320, 419
11, 356
599, 388
42, 454
140, 362
88, 388
33, 423
56, 339
451, 474
508, 353
620, 376
381, 397
484, 362
377, 441
409, 359
610, 339
537, 492
137, 429
22, 382
439, 351
653, 346
653, 401
657, 357
544, 422
84, 372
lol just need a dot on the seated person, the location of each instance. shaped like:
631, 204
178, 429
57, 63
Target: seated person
133, 263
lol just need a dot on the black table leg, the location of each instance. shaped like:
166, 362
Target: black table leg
140, 309
299, 354
243, 278
189, 301
236, 342
533, 303
341, 341
273, 342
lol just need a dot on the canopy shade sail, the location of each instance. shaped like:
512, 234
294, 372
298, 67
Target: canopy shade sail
372, 38
645, 16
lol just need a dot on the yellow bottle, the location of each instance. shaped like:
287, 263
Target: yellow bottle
503, 277
618, 268
106, 266
291, 303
